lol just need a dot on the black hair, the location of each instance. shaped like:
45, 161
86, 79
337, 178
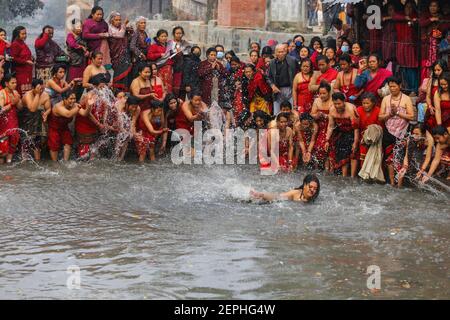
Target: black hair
195, 47
231, 52
267, 51
195, 93
323, 58
346, 57
142, 65
338, 96
212, 49
446, 77
286, 103
249, 65
35, 82
376, 56
219, 46
66, 95
159, 33
313, 40
133, 100
370, 96
235, 59
394, 79
94, 10
257, 43
420, 126
7, 78
299, 36
307, 180
43, 30
325, 85
308, 60
16, 32
282, 115
439, 131
156, 104
177, 28
251, 51
442, 63
56, 68
169, 97
95, 54
261, 114
2, 30
306, 116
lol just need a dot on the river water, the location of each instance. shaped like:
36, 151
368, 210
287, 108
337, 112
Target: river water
160, 231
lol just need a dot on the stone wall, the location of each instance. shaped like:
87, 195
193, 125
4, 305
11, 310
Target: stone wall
190, 9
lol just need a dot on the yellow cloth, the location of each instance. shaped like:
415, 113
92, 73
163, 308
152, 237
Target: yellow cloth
372, 166
258, 103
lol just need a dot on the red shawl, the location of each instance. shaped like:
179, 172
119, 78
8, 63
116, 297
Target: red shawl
329, 75
376, 82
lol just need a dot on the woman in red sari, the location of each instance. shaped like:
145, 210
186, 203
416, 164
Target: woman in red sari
345, 81
160, 53
10, 102
406, 45
302, 97
141, 87
255, 90
368, 114
373, 78
320, 109
432, 28
23, 60
442, 104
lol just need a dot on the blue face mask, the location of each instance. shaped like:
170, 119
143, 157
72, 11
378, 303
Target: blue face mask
345, 48
298, 43
220, 55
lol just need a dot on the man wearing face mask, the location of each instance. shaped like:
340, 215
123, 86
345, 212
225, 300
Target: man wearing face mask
190, 69
221, 55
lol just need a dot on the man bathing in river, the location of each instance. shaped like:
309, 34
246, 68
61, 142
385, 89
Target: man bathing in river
308, 192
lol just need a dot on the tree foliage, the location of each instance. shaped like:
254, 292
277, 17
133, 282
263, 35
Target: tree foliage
22, 8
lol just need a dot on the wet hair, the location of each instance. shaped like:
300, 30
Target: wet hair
346, 57
307, 180
177, 28
16, 32
267, 51
325, 85
160, 33
306, 116
282, 115
235, 59
323, 58
56, 68
142, 65
95, 54
169, 97
439, 131
261, 114
66, 95
394, 79
251, 51
421, 127
313, 40
212, 49
370, 96
442, 63
338, 96
285, 104
7, 78
133, 100
243, 117
43, 30
155, 104
195, 93
35, 82
94, 10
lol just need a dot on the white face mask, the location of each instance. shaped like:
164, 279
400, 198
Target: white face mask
220, 55
345, 48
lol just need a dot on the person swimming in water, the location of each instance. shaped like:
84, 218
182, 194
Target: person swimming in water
307, 193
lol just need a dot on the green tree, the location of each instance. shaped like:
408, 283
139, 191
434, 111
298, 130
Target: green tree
22, 8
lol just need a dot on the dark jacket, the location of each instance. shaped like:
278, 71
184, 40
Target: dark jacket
292, 69
190, 72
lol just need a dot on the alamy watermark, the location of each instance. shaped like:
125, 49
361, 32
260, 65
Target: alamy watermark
74, 279
374, 279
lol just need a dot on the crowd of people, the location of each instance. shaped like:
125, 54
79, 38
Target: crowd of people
335, 105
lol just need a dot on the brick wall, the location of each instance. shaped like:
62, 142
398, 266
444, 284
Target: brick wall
242, 13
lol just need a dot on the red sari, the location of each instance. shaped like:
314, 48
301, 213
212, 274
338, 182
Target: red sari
58, 132
445, 116
377, 82
9, 124
305, 97
329, 75
24, 72
406, 45
341, 143
366, 120
165, 72
349, 89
